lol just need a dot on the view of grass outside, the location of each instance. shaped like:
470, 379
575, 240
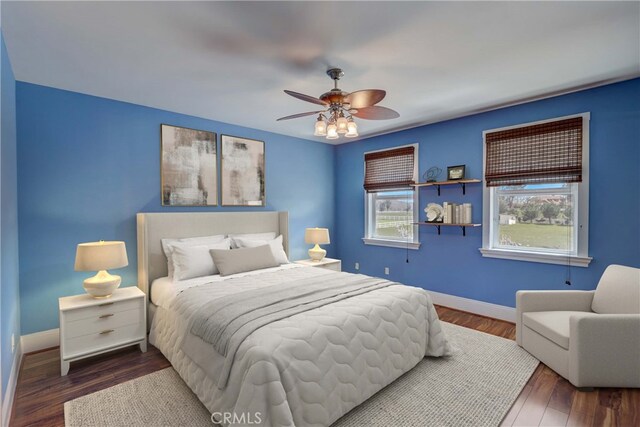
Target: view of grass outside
539, 220
537, 235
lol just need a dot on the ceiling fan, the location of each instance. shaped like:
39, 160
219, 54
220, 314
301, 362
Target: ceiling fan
341, 107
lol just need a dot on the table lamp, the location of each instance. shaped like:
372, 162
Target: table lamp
317, 236
100, 256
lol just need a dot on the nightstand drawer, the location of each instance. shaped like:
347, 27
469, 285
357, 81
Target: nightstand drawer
101, 322
106, 338
106, 307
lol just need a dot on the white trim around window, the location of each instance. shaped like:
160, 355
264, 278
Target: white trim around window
578, 257
368, 238
392, 243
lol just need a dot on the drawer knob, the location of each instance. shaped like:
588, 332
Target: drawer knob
108, 331
105, 304
104, 316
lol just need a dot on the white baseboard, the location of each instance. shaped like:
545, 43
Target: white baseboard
40, 340
482, 308
10, 392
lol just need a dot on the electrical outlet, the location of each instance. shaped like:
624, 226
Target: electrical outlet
386, 271
357, 266
13, 343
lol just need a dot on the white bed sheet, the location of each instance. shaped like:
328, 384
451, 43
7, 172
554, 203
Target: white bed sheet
163, 289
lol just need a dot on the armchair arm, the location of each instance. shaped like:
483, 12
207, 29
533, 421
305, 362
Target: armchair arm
604, 350
528, 301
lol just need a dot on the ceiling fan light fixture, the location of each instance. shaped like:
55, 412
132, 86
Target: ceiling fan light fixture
352, 129
332, 131
320, 127
331, 122
342, 123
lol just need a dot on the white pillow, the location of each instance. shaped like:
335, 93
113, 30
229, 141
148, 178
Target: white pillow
168, 249
251, 236
275, 244
191, 261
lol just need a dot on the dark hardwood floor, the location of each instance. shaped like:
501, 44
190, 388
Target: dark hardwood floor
546, 400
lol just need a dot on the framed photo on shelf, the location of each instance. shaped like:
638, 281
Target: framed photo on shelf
455, 172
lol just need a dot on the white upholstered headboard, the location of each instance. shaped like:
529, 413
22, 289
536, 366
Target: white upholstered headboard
152, 227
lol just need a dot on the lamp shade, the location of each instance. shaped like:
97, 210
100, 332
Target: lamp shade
317, 236
353, 129
332, 131
96, 256
320, 128
342, 123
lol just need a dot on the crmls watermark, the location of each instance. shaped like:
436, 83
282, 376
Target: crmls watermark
243, 418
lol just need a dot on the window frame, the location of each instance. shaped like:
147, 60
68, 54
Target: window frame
490, 214
369, 213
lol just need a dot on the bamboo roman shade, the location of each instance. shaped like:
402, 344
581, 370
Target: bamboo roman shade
389, 169
545, 153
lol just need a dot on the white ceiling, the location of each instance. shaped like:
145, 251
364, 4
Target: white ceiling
230, 61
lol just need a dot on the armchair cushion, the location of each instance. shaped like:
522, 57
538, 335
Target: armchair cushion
553, 325
618, 291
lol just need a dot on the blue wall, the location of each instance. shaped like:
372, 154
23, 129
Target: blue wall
10, 310
87, 165
452, 264
68, 140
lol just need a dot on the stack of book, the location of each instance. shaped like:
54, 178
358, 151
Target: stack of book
456, 213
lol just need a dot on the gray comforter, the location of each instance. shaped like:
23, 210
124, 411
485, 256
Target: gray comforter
226, 322
308, 369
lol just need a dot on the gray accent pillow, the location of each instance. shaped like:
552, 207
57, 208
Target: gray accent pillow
275, 244
242, 260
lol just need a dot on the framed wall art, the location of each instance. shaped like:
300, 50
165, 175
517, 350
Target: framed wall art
188, 167
242, 171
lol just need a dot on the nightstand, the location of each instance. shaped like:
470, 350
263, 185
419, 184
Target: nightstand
328, 263
90, 326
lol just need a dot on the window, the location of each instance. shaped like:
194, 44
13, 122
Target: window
391, 202
537, 190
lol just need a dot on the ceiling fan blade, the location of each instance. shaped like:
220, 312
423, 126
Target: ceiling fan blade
376, 113
304, 97
295, 116
365, 98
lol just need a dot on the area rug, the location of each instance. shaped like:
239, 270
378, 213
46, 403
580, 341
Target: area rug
475, 386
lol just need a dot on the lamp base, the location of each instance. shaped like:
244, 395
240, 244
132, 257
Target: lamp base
102, 285
317, 253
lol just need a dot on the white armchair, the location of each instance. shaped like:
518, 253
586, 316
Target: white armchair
592, 338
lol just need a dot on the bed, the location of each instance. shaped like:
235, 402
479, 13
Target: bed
306, 368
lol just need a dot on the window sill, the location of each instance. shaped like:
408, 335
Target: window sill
573, 260
391, 243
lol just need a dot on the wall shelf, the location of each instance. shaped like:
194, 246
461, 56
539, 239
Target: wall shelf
461, 182
441, 224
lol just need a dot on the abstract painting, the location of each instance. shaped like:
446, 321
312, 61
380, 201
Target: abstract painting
188, 167
242, 171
